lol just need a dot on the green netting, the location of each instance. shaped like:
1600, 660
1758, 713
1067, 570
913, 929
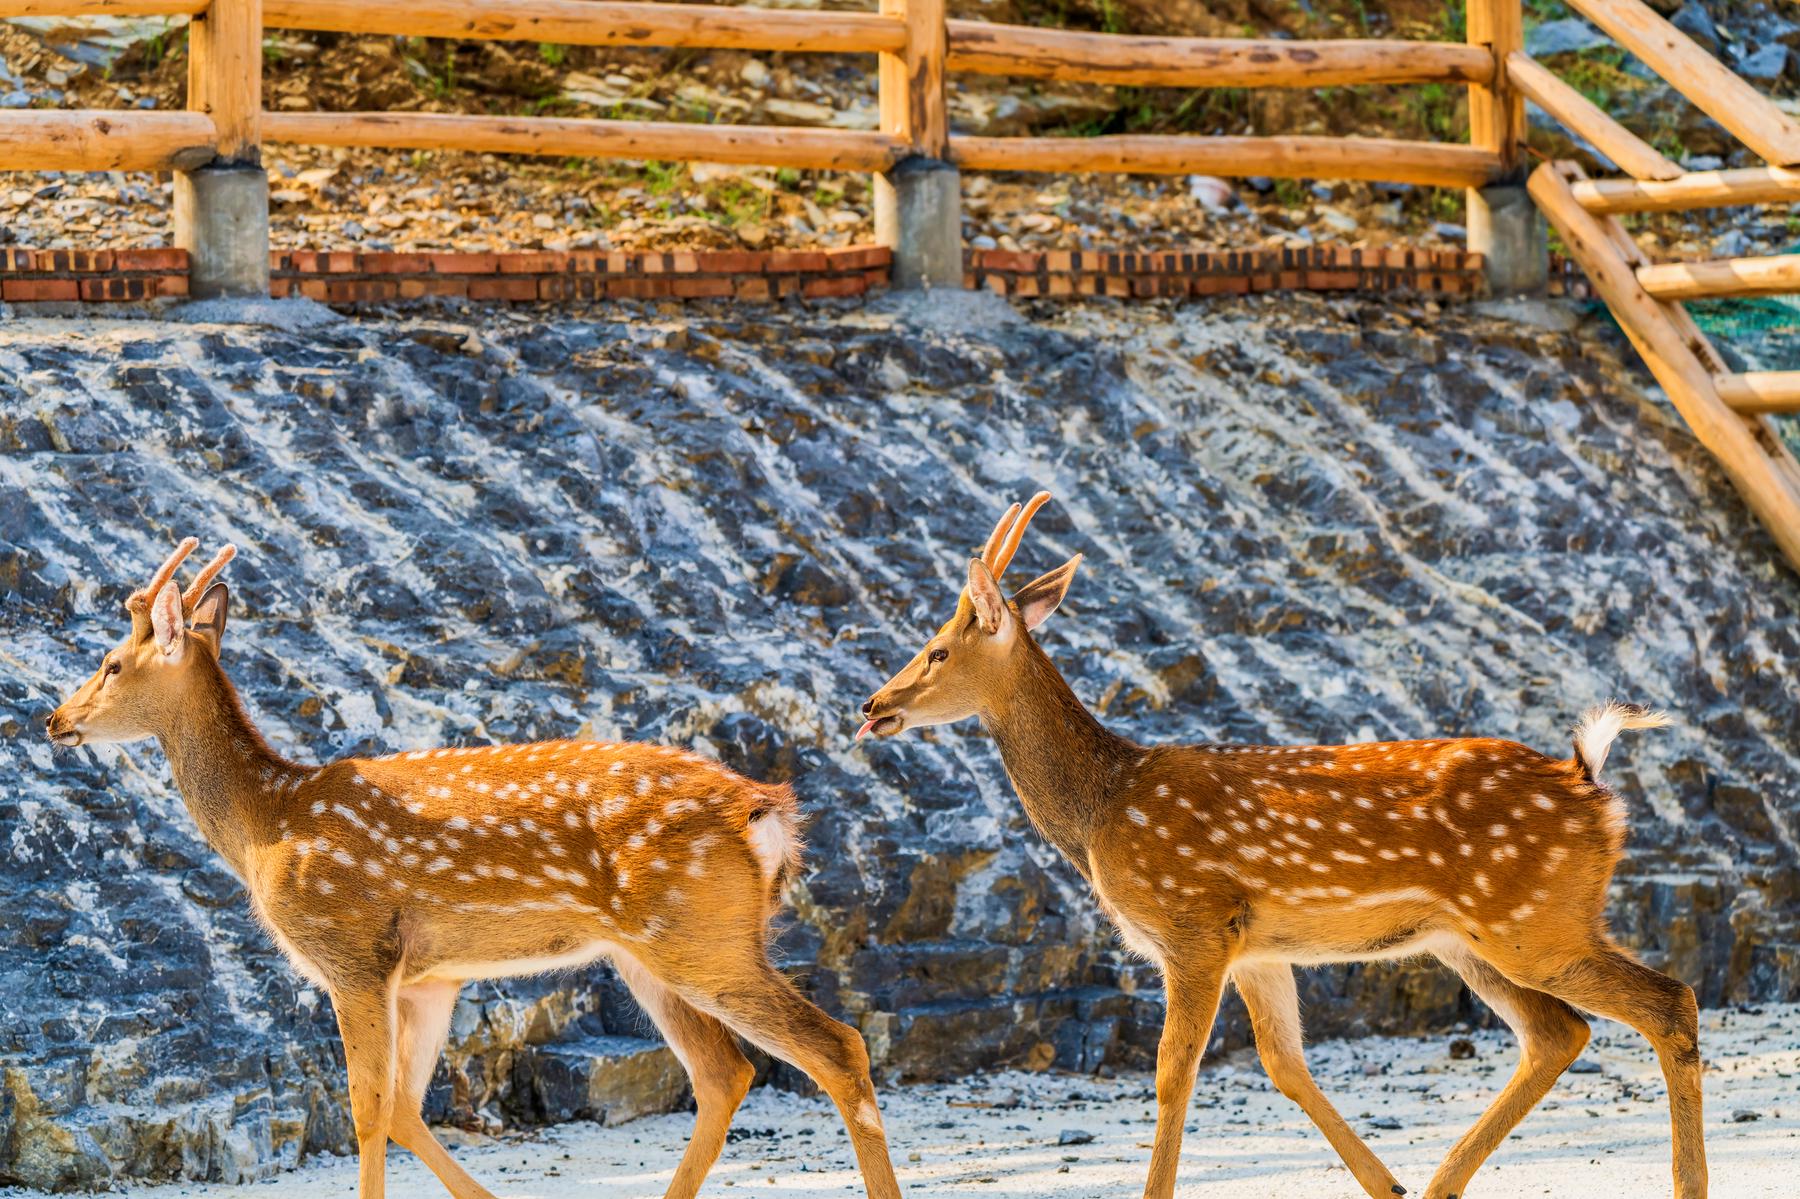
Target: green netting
1761, 334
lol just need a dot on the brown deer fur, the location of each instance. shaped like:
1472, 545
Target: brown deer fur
1238, 861
392, 881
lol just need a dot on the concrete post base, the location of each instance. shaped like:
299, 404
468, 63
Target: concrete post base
1507, 227
222, 221
918, 212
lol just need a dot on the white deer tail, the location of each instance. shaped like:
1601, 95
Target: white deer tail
1599, 726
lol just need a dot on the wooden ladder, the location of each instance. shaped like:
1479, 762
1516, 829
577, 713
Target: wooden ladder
1728, 412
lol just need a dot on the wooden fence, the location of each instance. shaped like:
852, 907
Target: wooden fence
917, 48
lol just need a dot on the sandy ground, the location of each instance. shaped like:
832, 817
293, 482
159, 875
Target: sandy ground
1601, 1131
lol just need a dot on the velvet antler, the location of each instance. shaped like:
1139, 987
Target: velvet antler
138, 603
207, 574
1003, 543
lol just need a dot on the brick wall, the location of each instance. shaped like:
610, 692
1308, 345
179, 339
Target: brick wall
28, 276
1223, 272
352, 277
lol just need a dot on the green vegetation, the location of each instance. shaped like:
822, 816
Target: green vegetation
1599, 74
1437, 109
552, 53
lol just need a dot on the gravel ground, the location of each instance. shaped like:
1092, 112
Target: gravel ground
998, 1135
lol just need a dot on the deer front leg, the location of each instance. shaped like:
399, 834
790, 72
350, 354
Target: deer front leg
1193, 983
366, 1020
1274, 1005
424, 1024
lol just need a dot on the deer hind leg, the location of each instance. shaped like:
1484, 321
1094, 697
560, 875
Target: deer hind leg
366, 1022
424, 1011
720, 1072
1610, 983
1192, 1001
1551, 1035
1274, 1005
764, 1007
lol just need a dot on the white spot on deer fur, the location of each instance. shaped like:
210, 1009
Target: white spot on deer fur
1466, 849
373, 868
342, 858
324, 885
1497, 830
1136, 817
318, 808
1482, 884
457, 822
1355, 859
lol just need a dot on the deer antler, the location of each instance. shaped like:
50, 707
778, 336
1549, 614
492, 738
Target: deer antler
139, 601
998, 535
1009, 533
207, 574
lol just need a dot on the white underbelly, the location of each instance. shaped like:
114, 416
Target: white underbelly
1428, 942
462, 970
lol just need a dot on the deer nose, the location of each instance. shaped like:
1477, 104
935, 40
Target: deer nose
868, 706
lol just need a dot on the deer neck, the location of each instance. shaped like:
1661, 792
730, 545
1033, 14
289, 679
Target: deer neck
233, 784
1063, 762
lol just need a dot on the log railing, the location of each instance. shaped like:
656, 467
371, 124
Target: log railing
916, 49
1728, 411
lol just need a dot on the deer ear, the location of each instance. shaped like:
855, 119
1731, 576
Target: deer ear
984, 594
208, 620
166, 624
1040, 597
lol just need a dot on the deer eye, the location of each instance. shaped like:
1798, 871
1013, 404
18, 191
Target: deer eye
938, 655
111, 668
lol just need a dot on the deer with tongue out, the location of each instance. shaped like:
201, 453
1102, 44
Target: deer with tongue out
391, 881
1238, 862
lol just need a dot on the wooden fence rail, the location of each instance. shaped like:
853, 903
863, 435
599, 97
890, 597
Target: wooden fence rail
572, 137
598, 23
981, 48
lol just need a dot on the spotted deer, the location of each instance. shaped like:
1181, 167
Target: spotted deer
391, 881
1239, 862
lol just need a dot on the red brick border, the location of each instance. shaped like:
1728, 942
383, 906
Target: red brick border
349, 278
354, 278
1223, 272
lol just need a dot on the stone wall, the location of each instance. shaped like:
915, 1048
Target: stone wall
1304, 520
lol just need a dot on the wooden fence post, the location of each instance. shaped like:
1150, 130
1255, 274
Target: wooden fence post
222, 208
918, 203
1503, 223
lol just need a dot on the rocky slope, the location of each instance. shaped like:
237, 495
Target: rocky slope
1303, 520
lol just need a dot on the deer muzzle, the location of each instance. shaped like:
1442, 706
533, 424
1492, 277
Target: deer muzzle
61, 730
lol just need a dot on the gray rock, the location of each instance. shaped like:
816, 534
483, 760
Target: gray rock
1585, 1065
1768, 65
1075, 1136
1692, 19
1571, 35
